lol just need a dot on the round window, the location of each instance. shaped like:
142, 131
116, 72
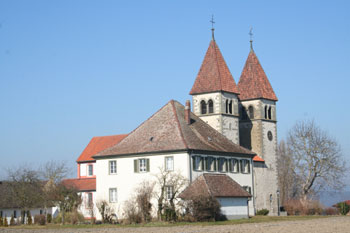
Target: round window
269, 135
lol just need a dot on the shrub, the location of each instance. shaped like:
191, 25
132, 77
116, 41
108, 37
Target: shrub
131, 212
106, 211
29, 218
203, 208
12, 221
300, 207
49, 218
5, 222
262, 212
40, 219
70, 217
343, 207
331, 211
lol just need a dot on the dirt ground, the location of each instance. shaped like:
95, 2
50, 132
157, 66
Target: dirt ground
321, 225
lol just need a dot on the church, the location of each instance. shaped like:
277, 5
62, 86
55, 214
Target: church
227, 142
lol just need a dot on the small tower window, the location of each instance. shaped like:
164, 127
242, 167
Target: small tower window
265, 112
251, 112
230, 107
211, 106
203, 107
269, 112
226, 106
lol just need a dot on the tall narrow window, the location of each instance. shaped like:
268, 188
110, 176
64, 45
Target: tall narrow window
245, 166
203, 107
15, 214
112, 195
226, 106
251, 112
269, 112
197, 163
234, 165
89, 200
142, 165
265, 112
113, 167
169, 163
169, 192
230, 107
90, 170
222, 165
211, 106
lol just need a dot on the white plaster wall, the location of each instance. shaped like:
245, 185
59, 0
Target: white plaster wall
233, 206
84, 208
126, 180
84, 169
242, 179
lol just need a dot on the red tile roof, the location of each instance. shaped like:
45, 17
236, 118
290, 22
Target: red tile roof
87, 184
216, 185
98, 144
214, 74
254, 83
167, 130
257, 158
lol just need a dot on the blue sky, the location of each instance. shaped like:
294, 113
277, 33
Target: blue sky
71, 70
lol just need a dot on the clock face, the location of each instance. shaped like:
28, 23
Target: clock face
269, 135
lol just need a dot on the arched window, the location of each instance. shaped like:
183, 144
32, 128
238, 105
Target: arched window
244, 113
230, 107
226, 106
251, 112
265, 112
203, 107
211, 106
269, 112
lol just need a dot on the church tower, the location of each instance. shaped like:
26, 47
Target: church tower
258, 131
215, 94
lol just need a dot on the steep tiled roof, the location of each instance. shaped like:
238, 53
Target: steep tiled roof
254, 83
98, 144
167, 130
214, 74
216, 185
257, 158
88, 184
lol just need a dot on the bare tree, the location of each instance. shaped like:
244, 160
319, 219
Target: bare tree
54, 171
106, 211
317, 157
174, 182
287, 178
144, 194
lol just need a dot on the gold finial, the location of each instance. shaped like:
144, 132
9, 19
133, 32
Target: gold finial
251, 37
212, 26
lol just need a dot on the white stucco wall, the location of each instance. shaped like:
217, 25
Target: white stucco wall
84, 208
126, 180
234, 208
84, 169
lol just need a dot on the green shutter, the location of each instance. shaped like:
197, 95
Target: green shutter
136, 163
147, 164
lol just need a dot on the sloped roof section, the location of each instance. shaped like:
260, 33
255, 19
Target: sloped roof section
216, 185
253, 83
98, 144
257, 158
214, 75
167, 130
88, 184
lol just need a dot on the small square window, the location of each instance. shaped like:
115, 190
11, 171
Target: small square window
169, 163
112, 195
143, 166
113, 167
90, 170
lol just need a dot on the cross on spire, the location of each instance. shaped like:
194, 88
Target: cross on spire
212, 26
251, 37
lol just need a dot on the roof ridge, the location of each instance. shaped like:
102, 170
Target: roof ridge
178, 123
217, 62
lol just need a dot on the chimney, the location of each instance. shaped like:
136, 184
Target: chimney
188, 112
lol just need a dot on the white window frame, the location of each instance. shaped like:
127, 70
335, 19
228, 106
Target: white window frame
142, 165
113, 198
169, 167
88, 170
89, 204
169, 190
112, 169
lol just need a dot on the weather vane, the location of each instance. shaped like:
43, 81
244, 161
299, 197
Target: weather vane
251, 37
212, 26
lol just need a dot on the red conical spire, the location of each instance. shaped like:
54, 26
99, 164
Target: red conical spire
214, 74
253, 83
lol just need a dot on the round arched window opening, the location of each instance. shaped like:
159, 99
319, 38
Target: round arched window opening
269, 135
